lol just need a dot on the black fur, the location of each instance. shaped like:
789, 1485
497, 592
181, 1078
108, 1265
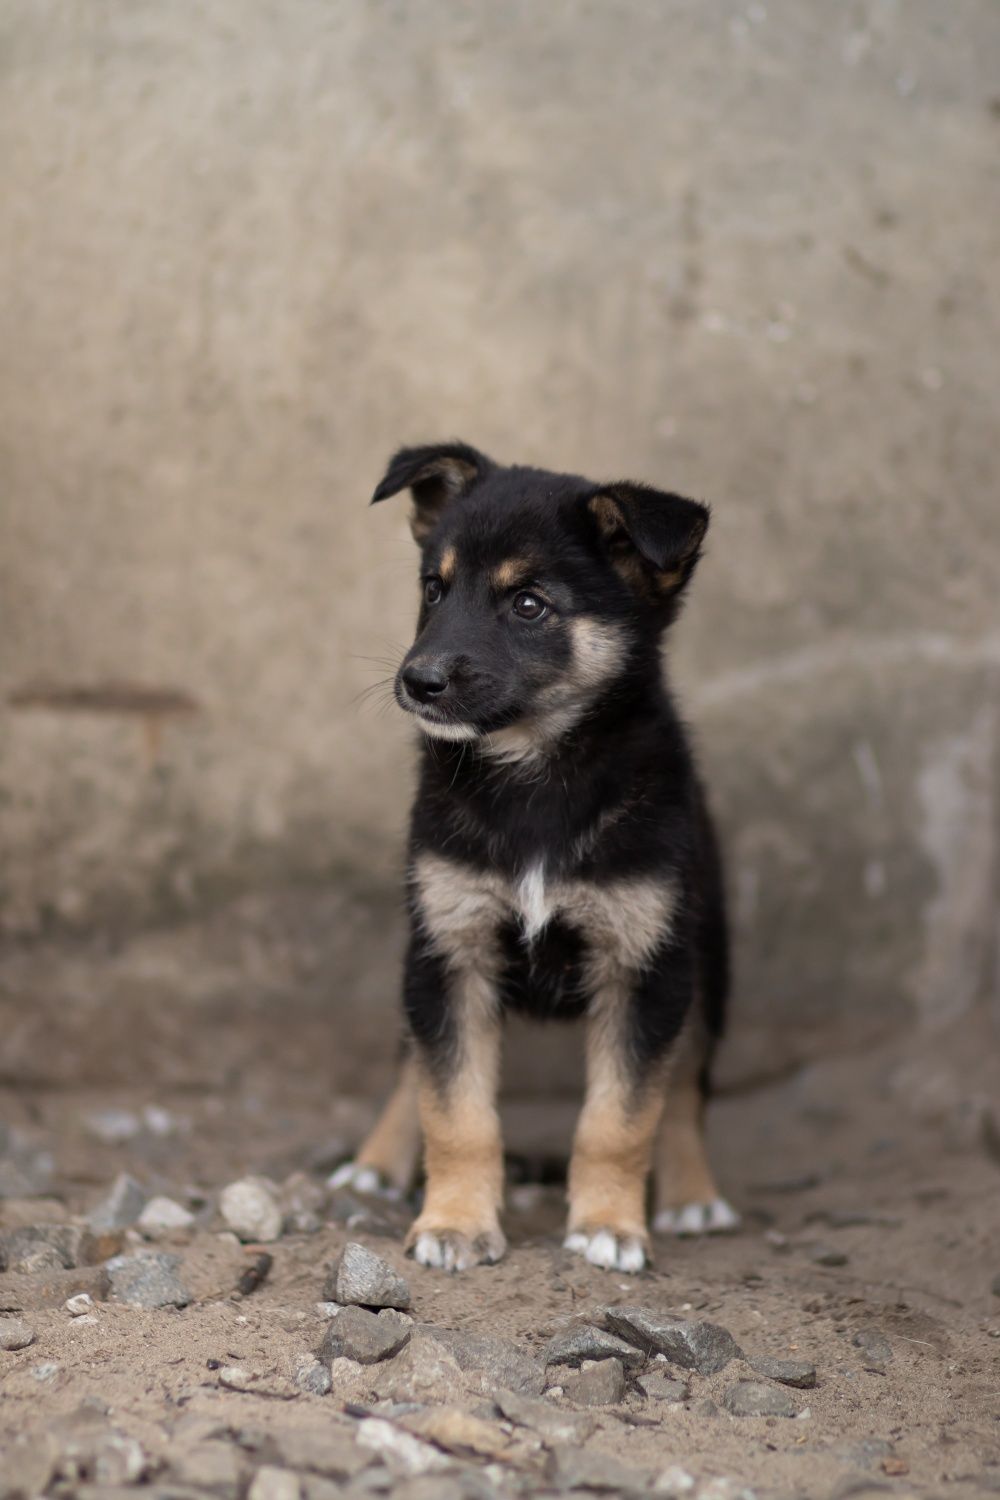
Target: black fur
611, 792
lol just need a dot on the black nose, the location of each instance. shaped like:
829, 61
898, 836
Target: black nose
424, 681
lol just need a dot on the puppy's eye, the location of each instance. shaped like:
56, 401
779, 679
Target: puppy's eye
529, 606
433, 590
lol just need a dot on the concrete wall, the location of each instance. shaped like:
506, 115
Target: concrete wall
743, 250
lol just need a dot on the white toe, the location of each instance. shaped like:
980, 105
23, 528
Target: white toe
716, 1217
429, 1251
362, 1179
608, 1250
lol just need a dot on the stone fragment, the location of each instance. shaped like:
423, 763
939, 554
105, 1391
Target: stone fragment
251, 1209
270, 1483
303, 1202
112, 1127
80, 1305
659, 1386
826, 1255
875, 1348
585, 1469
494, 1362
33, 1248
676, 1483
598, 1382
752, 1398
573, 1345
404, 1453
119, 1459
367, 1337
312, 1376
21, 1293
704, 1347
424, 1370
366, 1280
15, 1333
162, 1217
147, 1279
325, 1450
120, 1208
799, 1373
210, 1464
551, 1423
46, 1371
458, 1432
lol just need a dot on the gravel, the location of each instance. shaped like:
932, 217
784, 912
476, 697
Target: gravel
15, 1333
163, 1216
875, 1348
704, 1347
662, 1387
367, 1337
550, 1422
364, 1279
574, 1345
147, 1279
752, 1398
598, 1382
122, 1206
250, 1208
795, 1372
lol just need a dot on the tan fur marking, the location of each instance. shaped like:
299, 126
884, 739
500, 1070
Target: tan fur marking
613, 1143
449, 559
392, 1147
511, 571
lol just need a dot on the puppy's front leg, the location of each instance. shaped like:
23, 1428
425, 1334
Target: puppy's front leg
457, 1046
611, 1152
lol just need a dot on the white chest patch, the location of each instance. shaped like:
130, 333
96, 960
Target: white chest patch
533, 901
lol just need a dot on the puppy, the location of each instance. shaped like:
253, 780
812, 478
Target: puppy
562, 861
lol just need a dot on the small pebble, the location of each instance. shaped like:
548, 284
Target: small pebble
675, 1483
250, 1209
598, 1382
15, 1333
270, 1483
80, 1305
364, 1279
312, 1377
752, 1398
122, 1206
163, 1216
795, 1372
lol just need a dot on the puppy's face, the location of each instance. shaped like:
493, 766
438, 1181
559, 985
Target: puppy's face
539, 593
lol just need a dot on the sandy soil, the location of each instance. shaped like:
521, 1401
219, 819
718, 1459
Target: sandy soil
870, 1188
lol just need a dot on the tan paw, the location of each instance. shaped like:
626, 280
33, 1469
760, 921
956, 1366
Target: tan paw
455, 1249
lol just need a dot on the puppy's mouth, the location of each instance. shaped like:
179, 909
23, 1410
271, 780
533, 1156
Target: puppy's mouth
448, 722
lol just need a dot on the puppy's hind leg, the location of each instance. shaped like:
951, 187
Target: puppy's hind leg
386, 1162
687, 1201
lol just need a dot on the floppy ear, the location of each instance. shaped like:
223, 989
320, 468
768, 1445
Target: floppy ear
437, 474
653, 538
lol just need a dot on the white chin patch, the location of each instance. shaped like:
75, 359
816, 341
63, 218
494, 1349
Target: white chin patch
448, 731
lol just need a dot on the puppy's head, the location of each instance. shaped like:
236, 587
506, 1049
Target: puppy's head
541, 594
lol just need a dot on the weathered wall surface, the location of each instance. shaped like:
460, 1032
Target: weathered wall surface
743, 250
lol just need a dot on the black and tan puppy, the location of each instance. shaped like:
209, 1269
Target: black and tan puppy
561, 858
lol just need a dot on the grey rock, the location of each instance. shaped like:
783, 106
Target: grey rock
796, 1372
312, 1377
364, 1279
46, 1371
163, 1216
122, 1206
676, 1483
424, 1370
497, 1363
325, 1450
826, 1255
210, 1464
250, 1208
147, 1279
752, 1398
367, 1337
404, 1453
33, 1248
80, 1305
875, 1348
598, 1382
573, 1345
704, 1347
15, 1333
551, 1423
271, 1483
580, 1469
659, 1386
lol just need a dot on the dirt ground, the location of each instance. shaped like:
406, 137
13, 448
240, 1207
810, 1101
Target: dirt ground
869, 1186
